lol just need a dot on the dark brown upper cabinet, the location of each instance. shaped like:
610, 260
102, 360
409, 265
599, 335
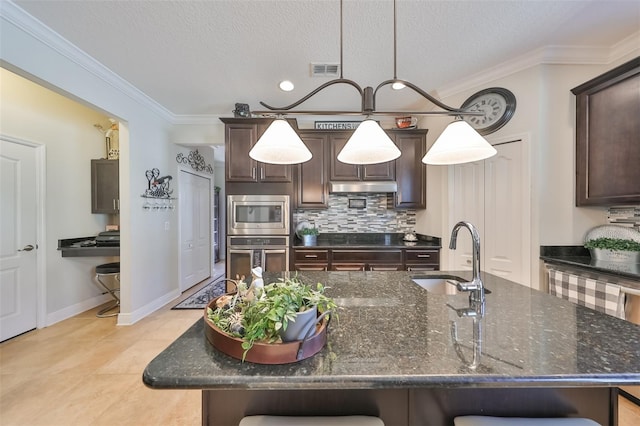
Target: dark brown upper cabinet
240, 136
312, 176
349, 172
410, 171
105, 186
608, 137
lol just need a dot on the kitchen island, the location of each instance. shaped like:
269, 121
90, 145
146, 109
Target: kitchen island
406, 354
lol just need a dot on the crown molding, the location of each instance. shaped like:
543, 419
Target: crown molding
197, 119
558, 55
34, 27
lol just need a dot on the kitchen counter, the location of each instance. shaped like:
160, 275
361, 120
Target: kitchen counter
85, 247
369, 240
394, 342
580, 257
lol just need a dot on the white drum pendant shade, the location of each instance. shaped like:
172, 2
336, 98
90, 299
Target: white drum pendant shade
459, 143
280, 144
369, 144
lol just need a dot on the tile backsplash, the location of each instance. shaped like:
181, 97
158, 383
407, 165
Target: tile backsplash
378, 215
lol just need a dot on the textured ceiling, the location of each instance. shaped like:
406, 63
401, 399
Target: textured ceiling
200, 57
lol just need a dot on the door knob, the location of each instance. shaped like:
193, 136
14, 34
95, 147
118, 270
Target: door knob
28, 247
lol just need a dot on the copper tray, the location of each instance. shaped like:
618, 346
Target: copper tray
265, 353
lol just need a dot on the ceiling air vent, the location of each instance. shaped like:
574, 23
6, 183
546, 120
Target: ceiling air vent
324, 70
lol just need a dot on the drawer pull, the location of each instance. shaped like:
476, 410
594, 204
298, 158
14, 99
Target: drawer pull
311, 256
424, 255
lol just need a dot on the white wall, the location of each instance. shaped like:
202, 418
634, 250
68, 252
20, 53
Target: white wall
147, 254
546, 112
66, 128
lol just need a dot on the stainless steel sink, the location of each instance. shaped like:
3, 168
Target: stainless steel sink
440, 284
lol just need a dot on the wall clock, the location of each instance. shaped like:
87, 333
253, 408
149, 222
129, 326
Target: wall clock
498, 105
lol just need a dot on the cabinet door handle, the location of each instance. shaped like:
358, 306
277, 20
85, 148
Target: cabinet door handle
261, 172
118, 204
311, 256
114, 203
253, 173
424, 255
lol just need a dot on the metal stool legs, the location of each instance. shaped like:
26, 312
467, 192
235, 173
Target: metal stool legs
116, 303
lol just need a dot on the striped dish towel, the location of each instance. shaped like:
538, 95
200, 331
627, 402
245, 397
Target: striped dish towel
600, 295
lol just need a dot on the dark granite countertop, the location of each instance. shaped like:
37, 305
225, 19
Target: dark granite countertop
580, 257
370, 240
85, 247
391, 333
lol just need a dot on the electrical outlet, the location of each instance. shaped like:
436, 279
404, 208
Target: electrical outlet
166, 226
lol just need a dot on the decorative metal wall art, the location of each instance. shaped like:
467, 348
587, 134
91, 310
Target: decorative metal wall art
158, 193
196, 161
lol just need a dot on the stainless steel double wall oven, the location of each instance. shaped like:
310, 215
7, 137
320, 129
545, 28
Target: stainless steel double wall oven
257, 234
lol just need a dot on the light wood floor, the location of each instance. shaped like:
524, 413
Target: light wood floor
88, 371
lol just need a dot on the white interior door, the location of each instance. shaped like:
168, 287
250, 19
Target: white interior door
494, 195
468, 202
18, 241
505, 220
195, 229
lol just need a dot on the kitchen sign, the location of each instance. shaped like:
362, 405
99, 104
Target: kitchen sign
336, 125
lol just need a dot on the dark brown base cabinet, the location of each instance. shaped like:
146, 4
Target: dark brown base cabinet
422, 260
105, 186
311, 260
608, 137
334, 259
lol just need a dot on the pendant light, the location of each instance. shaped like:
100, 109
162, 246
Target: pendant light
280, 144
459, 143
369, 144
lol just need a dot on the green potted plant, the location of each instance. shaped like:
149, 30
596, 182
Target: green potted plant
270, 313
309, 236
614, 250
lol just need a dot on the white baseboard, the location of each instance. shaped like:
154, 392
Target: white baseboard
78, 308
149, 308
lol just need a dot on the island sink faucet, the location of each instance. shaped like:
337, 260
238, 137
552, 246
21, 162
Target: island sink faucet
475, 286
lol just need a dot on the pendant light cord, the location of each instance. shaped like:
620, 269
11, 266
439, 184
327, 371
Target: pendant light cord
395, 42
341, 39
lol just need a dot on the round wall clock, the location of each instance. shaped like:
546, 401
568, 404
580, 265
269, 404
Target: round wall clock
498, 105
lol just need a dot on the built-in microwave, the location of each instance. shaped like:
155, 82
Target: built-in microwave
258, 214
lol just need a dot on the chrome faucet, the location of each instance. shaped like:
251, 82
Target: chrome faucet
474, 286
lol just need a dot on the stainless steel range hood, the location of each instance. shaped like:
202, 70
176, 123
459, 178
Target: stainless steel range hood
355, 186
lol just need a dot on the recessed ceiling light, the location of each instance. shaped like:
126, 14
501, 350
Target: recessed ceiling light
286, 85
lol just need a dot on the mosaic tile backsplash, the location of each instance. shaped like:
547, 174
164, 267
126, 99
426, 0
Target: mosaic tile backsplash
378, 215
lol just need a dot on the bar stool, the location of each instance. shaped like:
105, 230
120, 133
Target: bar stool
521, 421
109, 270
311, 421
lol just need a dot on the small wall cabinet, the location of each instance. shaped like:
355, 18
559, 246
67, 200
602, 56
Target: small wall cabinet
350, 172
240, 136
608, 137
312, 176
410, 171
105, 187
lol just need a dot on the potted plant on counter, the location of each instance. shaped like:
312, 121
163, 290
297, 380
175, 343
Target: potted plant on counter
280, 312
309, 236
614, 250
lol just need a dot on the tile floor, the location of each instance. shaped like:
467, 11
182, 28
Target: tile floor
88, 371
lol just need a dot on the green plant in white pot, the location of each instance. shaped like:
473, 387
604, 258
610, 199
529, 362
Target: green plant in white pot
309, 236
614, 250
274, 310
